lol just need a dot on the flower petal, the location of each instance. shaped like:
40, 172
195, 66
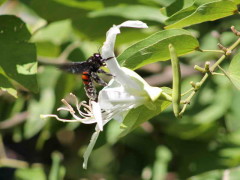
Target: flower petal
108, 51
90, 148
133, 24
97, 114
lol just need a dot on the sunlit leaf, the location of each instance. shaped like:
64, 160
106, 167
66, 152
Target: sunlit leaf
48, 33
5, 85
205, 12
155, 48
36, 173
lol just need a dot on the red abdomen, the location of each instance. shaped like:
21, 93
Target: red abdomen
86, 78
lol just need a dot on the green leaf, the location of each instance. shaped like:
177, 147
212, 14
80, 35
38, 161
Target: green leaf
47, 49
234, 71
59, 9
89, 27
89, 5
36, 173
236, 2
18, 57
213, 175
205, 12
2, 1
155, 48
131, 12
178, 5
45, 104
141, 114
5, 85
48, 33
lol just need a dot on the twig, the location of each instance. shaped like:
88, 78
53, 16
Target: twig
2, 149
15, 120
14, 163
212, 68
61, 58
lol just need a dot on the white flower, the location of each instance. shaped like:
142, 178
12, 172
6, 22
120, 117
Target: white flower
127, 90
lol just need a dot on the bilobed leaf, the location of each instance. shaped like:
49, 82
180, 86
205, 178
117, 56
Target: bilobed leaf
131, 12
141, 114
205, 12
234, 71
18, 56
155, 48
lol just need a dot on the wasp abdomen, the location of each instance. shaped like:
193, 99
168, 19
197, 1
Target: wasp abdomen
86, 77
88, 86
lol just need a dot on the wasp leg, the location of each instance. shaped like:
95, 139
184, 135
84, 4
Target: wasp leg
103, 60
97, 79
104, 72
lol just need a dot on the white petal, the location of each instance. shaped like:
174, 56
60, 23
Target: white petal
97, 114
90, 148
108, 51
134, 24
152, 92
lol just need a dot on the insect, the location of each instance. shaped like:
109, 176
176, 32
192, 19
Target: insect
89, 70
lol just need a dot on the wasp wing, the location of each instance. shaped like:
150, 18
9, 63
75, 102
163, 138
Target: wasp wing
74, 67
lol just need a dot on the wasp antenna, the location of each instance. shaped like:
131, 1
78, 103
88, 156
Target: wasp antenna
99, 49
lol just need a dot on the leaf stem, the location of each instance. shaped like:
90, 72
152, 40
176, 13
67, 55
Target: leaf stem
166, 97
221, 74
188, 91
216, 51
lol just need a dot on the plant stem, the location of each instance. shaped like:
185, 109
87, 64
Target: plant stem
221, 74
188, 91
212, 68
2, 149
5, 162
216, 51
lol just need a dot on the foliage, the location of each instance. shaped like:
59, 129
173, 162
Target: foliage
150, 143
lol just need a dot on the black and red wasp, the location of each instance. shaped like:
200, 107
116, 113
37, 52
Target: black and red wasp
89, 70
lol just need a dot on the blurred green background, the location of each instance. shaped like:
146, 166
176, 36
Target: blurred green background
203, 145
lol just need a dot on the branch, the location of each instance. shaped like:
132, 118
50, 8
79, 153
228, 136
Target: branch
208, 72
